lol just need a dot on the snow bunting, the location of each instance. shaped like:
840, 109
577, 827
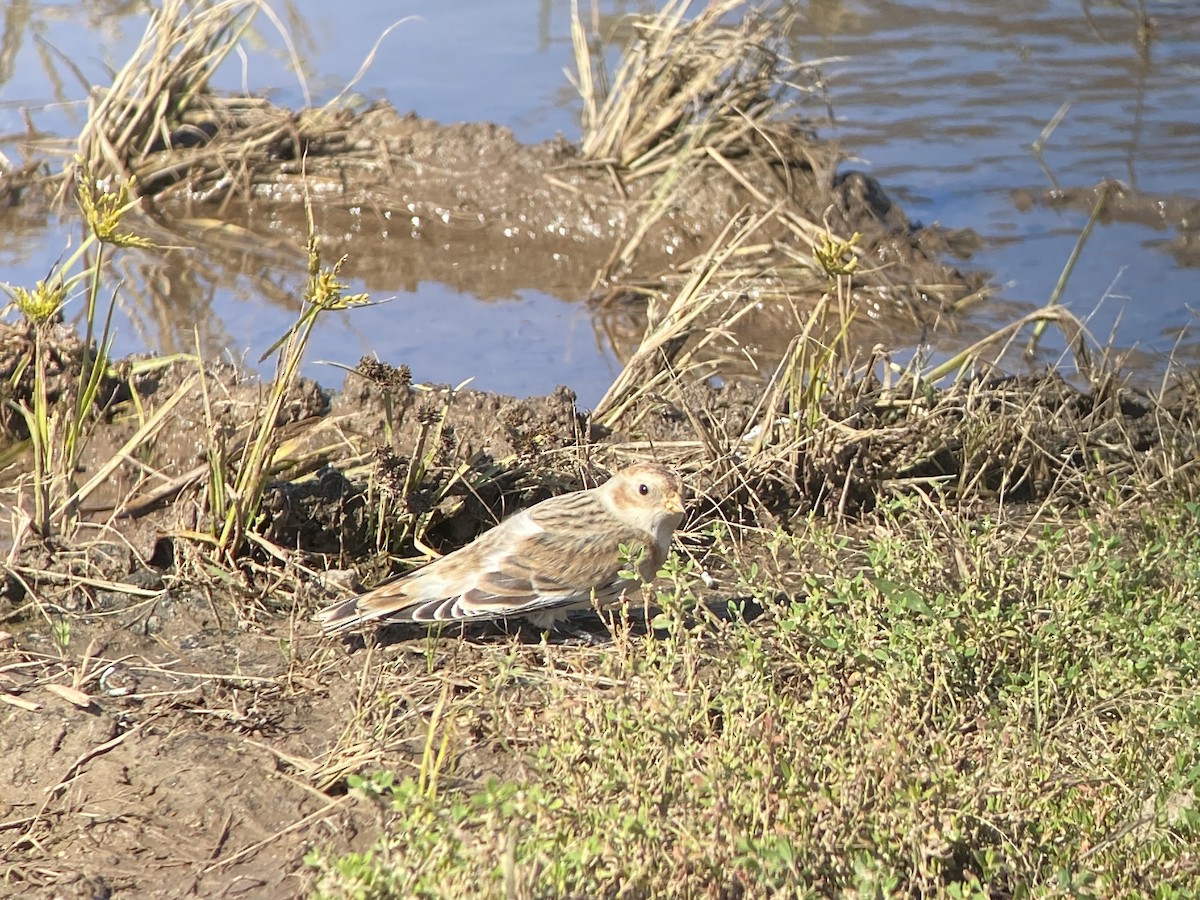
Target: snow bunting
560, 555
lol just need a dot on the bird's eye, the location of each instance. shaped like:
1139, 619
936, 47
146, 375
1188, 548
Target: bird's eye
643, 489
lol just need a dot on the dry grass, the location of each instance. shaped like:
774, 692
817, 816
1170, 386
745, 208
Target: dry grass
692, 97
842, 440
687, 88
153, 101
702, 99
159, 123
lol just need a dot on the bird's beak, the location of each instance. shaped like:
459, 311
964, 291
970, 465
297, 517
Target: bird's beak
675, 504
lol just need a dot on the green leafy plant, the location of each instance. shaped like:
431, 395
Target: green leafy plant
58, 431
238, 476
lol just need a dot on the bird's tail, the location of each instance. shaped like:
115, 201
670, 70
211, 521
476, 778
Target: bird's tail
340, 616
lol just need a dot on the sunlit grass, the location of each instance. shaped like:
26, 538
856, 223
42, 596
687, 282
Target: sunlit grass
938, 705
237, 481
58, 432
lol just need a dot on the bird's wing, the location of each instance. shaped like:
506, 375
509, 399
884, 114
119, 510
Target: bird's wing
561, 553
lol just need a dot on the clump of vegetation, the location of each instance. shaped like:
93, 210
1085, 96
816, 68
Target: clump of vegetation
909, 707
685, 87
59, 413
715, 97
234, 505
157, 100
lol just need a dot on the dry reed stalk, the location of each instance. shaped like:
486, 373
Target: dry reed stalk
697, 83
664, 350
153, 92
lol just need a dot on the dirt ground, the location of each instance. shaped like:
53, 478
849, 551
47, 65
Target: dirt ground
166, 733
174, 728
194, 760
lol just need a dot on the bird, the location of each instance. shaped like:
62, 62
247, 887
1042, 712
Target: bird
540, 564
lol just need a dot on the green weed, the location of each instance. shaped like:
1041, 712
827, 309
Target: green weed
59, 427
938, 705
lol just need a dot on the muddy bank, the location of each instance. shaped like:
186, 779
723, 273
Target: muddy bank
386, 449
411, 200
433, 190
355, 444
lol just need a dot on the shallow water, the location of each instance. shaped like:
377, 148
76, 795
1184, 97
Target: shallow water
945, 100
940, 101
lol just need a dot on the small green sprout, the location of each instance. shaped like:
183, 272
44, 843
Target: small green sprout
836, 256
41, 303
